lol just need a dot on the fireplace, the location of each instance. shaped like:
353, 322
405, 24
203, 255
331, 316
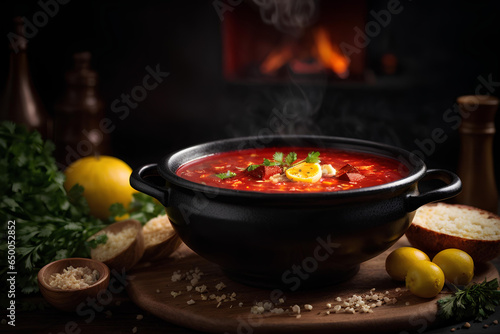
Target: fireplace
268, 39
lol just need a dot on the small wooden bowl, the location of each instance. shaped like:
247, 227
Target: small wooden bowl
69, 300
129, 256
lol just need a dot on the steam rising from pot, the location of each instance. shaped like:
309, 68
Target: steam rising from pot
288, 16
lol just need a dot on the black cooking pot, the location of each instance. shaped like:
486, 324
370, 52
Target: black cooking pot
291, 240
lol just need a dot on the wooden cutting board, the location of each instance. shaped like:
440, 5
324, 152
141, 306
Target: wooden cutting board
150, 287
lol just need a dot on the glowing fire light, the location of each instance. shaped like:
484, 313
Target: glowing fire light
277, 58
323, 50
330, 54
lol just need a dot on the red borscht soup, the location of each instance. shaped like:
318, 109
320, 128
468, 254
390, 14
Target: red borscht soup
293, 169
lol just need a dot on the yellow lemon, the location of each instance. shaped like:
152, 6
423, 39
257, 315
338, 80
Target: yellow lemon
425, 279
457, 265
105, 181
304, 172
400, 260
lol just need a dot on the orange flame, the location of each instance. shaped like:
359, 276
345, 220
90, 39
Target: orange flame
327, 54
277, 58
330, 54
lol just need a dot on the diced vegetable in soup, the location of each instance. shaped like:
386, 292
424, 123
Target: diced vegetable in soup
293, 169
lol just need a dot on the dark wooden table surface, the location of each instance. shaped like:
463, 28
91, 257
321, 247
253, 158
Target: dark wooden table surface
121, 316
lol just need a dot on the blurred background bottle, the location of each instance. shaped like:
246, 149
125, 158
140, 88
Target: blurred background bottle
78, 114
20, 101
475, 167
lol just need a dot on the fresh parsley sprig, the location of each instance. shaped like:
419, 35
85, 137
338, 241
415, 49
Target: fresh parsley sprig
288, 161
312, 157
476, 301
100, 239
226, 175
142, 208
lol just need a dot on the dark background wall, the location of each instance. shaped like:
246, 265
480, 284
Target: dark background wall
443, 48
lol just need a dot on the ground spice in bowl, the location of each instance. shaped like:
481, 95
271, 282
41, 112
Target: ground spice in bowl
74, 278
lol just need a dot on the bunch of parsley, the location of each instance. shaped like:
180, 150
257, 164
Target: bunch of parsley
476, 301
50, 223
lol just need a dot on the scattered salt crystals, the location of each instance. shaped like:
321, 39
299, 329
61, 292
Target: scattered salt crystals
364, 303
175, 294
296, 309
281, 301
298, 316
176, 276
201, 288
193, 276
190, 302
308, 307
158, 291
256, 309
267, 305
240, 304
189, 288
327, 312
220, 286
398, 289
139, 317
134, 330
220, 298
407, 303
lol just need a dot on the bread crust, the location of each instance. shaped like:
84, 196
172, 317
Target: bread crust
164, 248
432, 241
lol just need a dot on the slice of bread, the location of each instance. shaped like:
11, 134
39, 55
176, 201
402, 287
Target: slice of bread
439, 226
124, 247
160, 239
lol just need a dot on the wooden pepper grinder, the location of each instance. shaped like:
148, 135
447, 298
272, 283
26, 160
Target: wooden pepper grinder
20, 101
79, 113
475, 166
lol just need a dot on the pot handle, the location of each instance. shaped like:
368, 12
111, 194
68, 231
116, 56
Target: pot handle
452, 188
139, 181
